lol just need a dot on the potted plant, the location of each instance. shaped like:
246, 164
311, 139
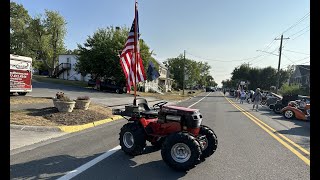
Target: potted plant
82, 102
59, 95
64, 104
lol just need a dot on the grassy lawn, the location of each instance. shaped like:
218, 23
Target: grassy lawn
59, 81
170, 96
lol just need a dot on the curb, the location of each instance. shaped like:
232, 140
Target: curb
35, 128
76, 128
67, 129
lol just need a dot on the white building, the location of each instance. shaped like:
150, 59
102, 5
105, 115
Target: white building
161, 84
66, 68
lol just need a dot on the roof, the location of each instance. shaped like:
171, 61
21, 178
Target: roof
304, 69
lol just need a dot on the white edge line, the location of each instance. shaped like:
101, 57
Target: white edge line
89, 164
199, 100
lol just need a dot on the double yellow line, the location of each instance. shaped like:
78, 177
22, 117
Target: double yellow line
275, 134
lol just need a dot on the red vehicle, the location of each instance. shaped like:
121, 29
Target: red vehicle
178, 131
297, 109
20, 74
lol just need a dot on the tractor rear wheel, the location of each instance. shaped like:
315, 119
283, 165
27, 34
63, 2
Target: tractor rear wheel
132, 139
181, 151
210, 141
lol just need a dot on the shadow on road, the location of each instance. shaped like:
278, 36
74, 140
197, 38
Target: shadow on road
47, 168
117, 166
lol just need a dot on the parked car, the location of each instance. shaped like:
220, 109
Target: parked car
295, 109
91, 83
112, 86
283, 103
272, 99
210, 89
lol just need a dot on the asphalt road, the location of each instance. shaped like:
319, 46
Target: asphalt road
248, 149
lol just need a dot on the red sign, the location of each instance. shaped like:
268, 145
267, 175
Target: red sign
20, 79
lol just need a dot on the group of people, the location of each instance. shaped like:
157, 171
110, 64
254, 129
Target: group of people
255, 97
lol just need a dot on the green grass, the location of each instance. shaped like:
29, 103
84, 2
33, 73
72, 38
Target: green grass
59, 81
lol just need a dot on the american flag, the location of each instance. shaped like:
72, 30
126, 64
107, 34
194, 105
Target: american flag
127, 58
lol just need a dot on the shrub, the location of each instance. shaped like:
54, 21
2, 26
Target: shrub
83, 98
59, 95
287, 89
65, 98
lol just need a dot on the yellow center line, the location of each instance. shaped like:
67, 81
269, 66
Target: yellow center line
281, 135
250, 116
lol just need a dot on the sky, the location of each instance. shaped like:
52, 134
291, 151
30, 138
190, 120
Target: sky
225, 33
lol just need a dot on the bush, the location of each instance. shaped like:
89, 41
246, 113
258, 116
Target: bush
287, 89
59, 95
83, 98
65, 98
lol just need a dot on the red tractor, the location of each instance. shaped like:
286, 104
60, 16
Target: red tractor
177, 131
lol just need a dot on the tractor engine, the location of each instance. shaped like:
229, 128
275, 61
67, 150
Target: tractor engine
189, 119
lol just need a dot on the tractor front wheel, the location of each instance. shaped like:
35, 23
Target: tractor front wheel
209, 141
181, 151
132, 139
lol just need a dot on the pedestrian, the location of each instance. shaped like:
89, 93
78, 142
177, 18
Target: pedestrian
242, 96
257, 96
224, 92
98, 83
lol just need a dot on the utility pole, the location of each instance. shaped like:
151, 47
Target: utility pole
184, 61
278, 73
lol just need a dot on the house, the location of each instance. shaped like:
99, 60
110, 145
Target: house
66, 68
301, 76
162, 84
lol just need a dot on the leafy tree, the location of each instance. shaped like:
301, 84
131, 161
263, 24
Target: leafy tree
56, 30
287, 89
197, 73
99, 55
263, 78
19, 22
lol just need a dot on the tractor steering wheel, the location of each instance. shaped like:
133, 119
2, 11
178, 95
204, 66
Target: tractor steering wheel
159, 104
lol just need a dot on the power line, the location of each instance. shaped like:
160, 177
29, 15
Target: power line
222, 60
299, 31
299, 21
296, 52
301, 34
297, 61
265, 56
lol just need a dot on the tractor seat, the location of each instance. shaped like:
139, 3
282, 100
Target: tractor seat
144, 108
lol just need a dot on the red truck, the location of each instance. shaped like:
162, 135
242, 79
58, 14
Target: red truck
20, 74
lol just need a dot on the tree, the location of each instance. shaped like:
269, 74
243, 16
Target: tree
56, 30
175, 66
197, 73
99, 55
19, 22
263, 78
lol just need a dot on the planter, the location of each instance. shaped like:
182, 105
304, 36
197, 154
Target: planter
54, 100
64, 106
82, 104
